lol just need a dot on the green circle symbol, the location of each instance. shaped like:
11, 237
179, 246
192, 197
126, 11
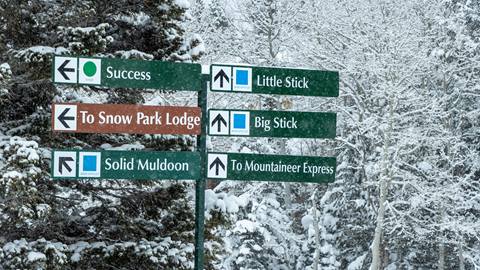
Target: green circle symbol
89, 68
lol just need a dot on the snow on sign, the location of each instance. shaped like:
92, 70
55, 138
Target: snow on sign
125, 118
275, 168
125, 165
124, 73
272, 124
282, 81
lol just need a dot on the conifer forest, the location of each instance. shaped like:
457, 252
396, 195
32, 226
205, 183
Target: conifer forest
378, 169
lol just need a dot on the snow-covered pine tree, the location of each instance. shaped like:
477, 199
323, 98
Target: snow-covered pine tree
379, 49
87, 224
435, 210
390, 114
209, 19
451, 159
262, 33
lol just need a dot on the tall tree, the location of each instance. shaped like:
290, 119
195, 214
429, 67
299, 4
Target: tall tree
86, 224
381, 50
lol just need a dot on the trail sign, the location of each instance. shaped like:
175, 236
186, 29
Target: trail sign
114, 72
272, 124
282, 81
125, 118
275, 168
125, 165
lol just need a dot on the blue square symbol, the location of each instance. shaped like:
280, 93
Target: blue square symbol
89, 163
239, 121
241, 77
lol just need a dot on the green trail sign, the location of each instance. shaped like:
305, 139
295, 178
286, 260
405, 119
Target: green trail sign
122, 73
275, 168
272, 124
125, 165
282, 81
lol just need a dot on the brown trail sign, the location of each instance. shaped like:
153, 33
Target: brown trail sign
122, 118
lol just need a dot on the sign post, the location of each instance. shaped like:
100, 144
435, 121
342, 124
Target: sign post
201, 182
200, 165
125, 118
272, 124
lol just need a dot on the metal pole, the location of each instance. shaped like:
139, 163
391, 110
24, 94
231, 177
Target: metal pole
200, 184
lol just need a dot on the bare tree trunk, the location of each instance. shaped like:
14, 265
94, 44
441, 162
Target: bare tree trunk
283, 151
288, 190
288, 195
316, 259
384, 180
441, 255
461, 259
399, 262
379, 228
441, 245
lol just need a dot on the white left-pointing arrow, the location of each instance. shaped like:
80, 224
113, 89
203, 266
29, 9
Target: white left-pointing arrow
65, 117
65, 69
